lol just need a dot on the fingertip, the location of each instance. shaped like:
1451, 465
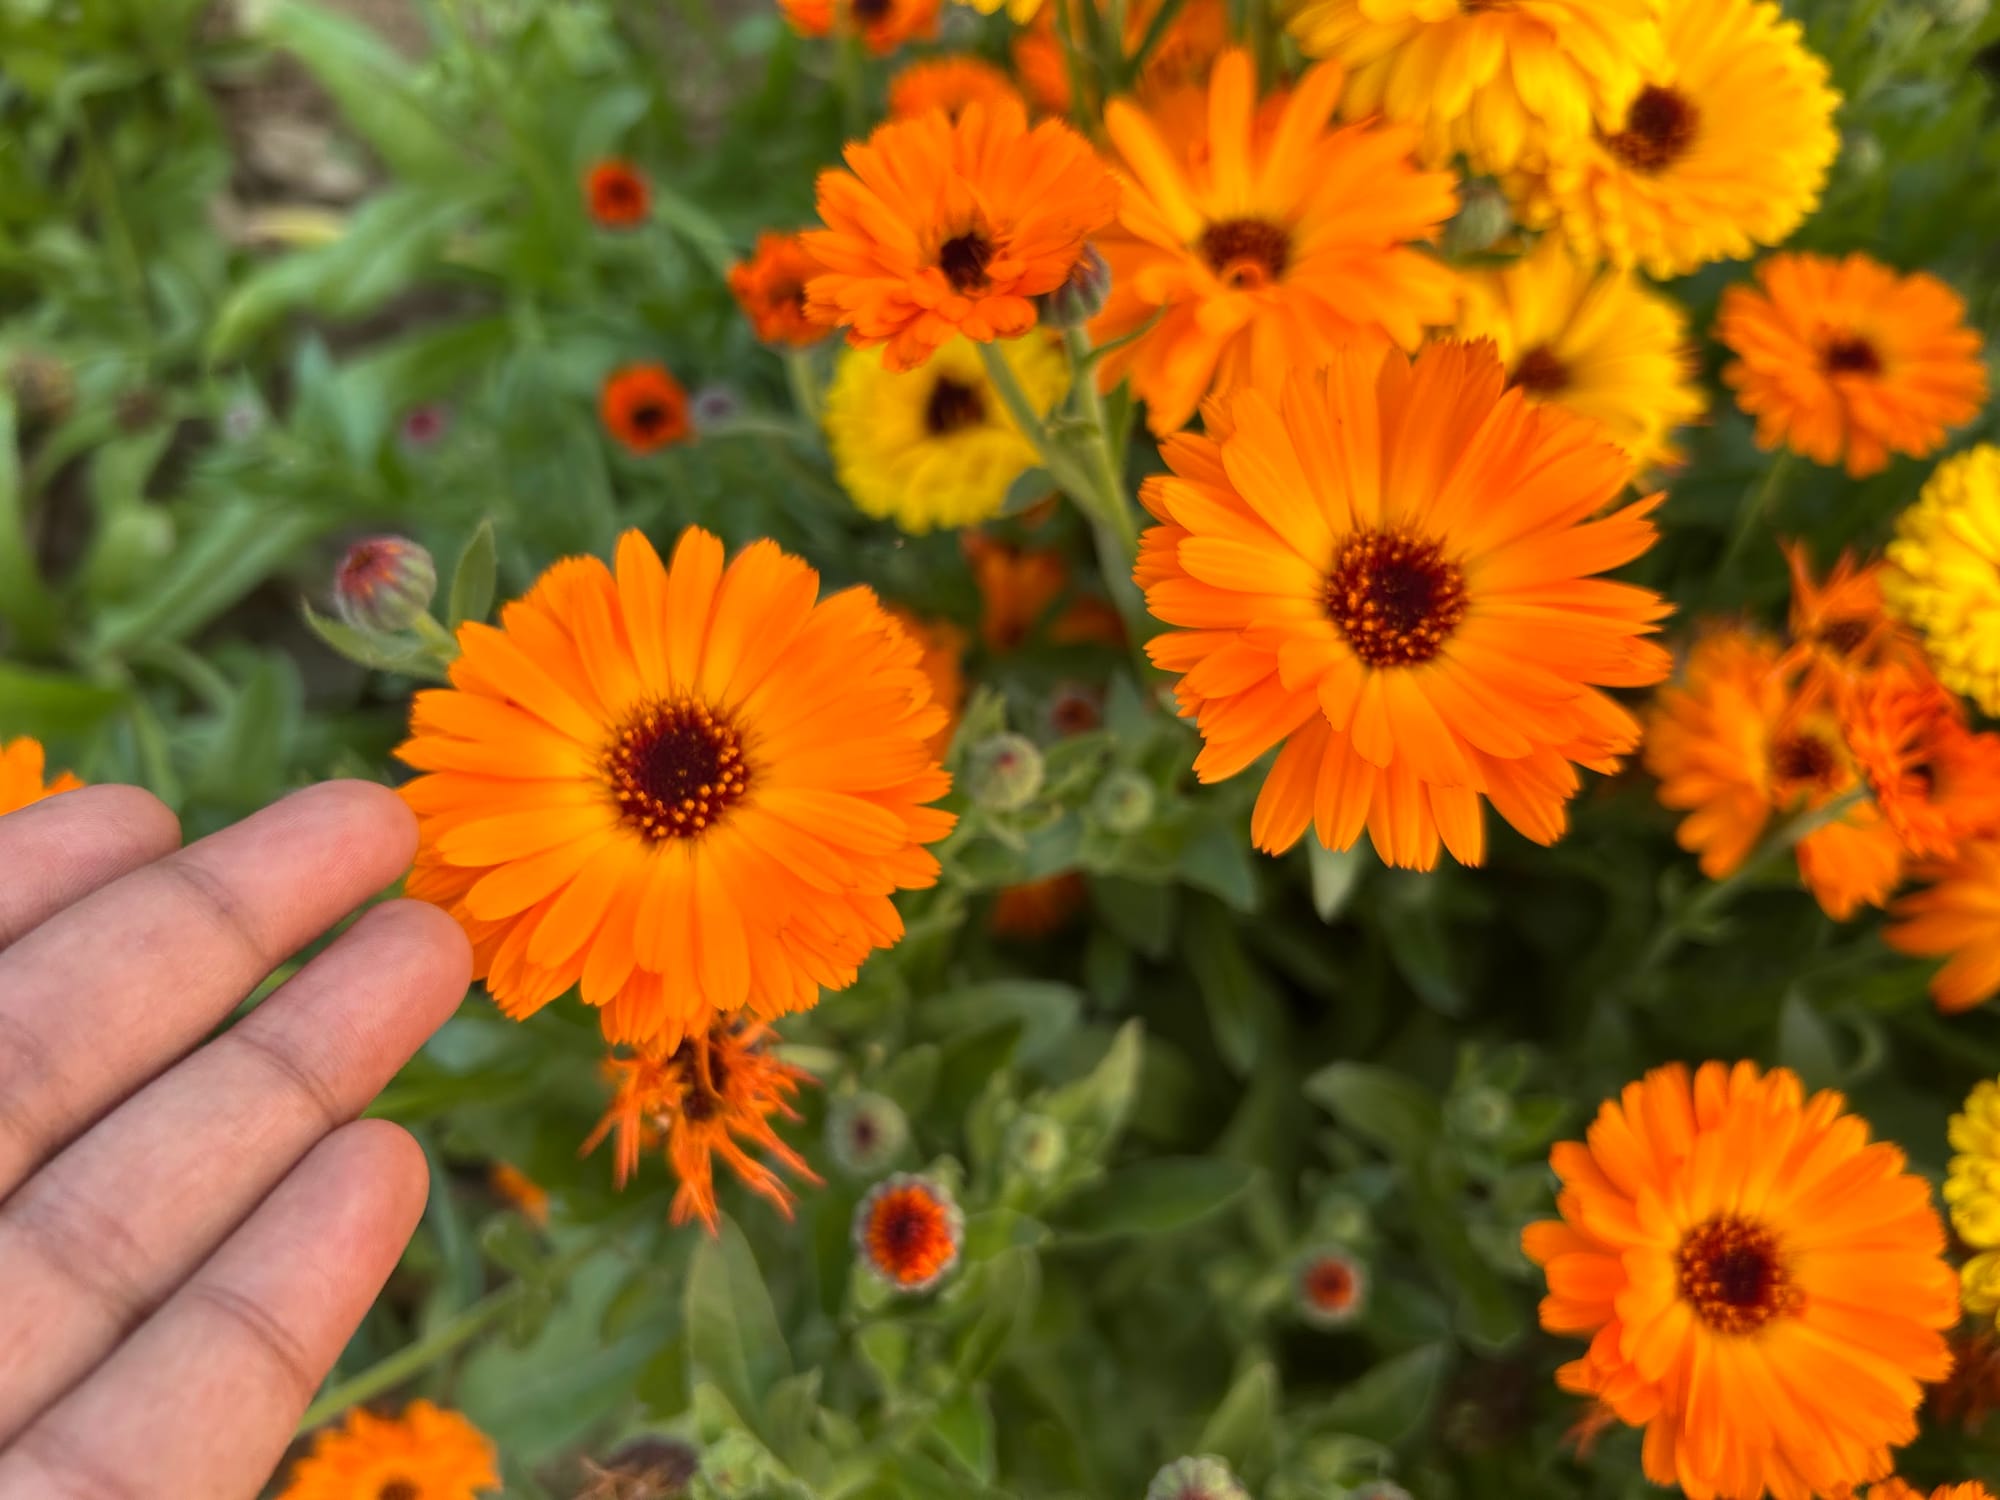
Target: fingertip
382, 1160
144, 820
367, 811
446, 950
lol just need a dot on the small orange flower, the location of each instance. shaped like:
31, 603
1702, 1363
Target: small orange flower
770, 287
1955, 917
1840, 626
1016, 587
949, 84
1037, 908
1896, 1489
521, 1190
21, 771
425, 1454
715, 1091
1935, 781
1332, 1288
940, 226
908, 1231
1846, 360
883, 25
645, 408
618, 194
943, 645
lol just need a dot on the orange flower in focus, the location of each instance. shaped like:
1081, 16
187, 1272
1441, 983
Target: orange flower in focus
1955, 917
941, 226
1763, 1289
425, 1454
908, 1231
1935, 781
645, 408
948, 84
770, 287
1016, 587
617, 194
521, 1190
1262, 245
22, 764
1037, 908
691, 789
882, 25
1844, 360
1385, 566
705, 1098
943, 645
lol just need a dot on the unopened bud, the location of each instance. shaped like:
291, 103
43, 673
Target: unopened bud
1081, 295
43, 386
1481, 1112
646, 1468
1861, 153
1201, 1478
1038, 1146
384, 584
1123, 801
866, 1133
1004, 773
424, 426
1483, 219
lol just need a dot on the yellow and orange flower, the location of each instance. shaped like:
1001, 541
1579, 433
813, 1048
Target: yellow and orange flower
644, 408
1846, 361
521, 1190
1385, 566
948, 84
22, 768
1955, 917
1037, 909
908, 1231
425, 1454
617, 194
1935, 781
1254, 248
770, 287
692, 789
705, 1097
940, 226
1763, 1288
943, 645
882, 25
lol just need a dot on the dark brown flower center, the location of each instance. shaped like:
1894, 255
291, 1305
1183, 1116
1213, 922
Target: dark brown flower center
953, 407
1246, 253
1733, 1274
868, 12
674, 768
1539, 372
1659, 128
1803, 757
1395, 597
1845, 637
1329, 1285
964, 258
399, 1489
648, 417
1848, 354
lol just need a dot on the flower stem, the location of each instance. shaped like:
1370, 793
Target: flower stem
804, 381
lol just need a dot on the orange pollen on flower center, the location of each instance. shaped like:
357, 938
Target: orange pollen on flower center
1246, 253
1539, 372
1330, 1285
1659, 129
964, 258
909, 1235
674, 768
399, 1489
1395, 597
953, 407
1802, 757
1849, 354
1733, 1275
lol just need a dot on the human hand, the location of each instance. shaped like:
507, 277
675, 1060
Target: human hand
190, 1232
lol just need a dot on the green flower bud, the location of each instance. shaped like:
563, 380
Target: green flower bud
384, 584
866, 1133
1081, 295
1038, 1146
1004, 773
1483, 219
1481, 1112
1343, 1218
1861, 153
1201, 1478
1123, 801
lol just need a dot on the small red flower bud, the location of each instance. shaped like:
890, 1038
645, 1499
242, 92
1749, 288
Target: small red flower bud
384, 584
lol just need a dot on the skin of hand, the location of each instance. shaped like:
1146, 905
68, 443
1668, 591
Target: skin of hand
192, 1224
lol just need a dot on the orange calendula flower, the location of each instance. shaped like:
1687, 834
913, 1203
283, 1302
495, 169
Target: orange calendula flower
1896, 1489
705, 1097
617, 193
1385, 566
940, 226
1936, 782
645, 408
1330, 1288
1763, 1288
882, 25
1844, 361
943, 644
770, 287
1260, 248
908, 1231
948, 84
521, 1190
425, 1454
1016, 587
1840, 625
1037, 908
22, 768
690, 789
1955, 917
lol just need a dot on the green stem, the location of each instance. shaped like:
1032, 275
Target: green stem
1755, 508
1079, 100
440, 641
804, 381
188, 668
847, 82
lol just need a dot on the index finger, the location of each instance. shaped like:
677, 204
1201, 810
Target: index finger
98, 999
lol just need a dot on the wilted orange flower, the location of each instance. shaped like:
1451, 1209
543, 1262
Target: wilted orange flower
770, 287
617, 193
1955, 917
692, 789
1935, 781
1262, 247
908, 1231
1037, 908
705, 1097
1016, 587
882, 25
1846, 360
949, 84
521, 1190
941, 226
645, 408
1385, 567
21, 772
1762, 1287
943, 645
425, 1454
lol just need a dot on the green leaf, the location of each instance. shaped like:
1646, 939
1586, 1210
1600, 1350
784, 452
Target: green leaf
1004, 1291
474, 579
1335, 874
1806, 1044
1242, 1428
1139, 912
380, 653
238, 546
50, 705
734, 1338
965, 1427
1394, 1399
1381, 1106
1217, 860
1096, 1107
1238, 999
1155, 1197
1047, 1012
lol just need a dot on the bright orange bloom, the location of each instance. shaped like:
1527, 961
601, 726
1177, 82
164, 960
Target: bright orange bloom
691, 789
425, 1454
645, 408
1896, 1489
943, 645
704, 1098
1016, 587
1763, 1288
1955, 917
618, 194
521, 1190
1037, 908
1935, 781
1840, 626
908, 1231
1385, 566
1262, 246
770, 287
1844, 359
941, 226
883, 25
949, 84
21, 771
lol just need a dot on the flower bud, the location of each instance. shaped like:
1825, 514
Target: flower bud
866, 1132
1123, 801
1483, 219
1038, 1146
1200, 1478
384, 584
1342, 1218
1081, 295
1861, 153
644, 1468
1481, 1112
42, 385
425, 425
1004, 773
1330, 1287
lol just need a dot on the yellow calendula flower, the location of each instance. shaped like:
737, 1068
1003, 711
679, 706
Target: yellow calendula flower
1725, 149
1972, 1184
1596, 341
934, 446
1943, 577
1020, 12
